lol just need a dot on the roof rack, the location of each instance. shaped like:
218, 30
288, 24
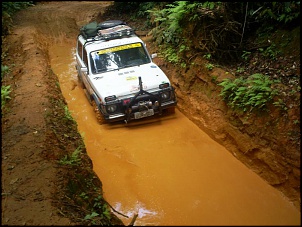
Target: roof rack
115, 32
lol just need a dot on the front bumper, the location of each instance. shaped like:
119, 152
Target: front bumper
143, 104
127, 117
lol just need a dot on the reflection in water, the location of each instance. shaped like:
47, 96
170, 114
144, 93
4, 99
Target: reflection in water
167, 170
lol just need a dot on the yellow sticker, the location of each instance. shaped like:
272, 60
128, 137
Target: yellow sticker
131, 78
118, 48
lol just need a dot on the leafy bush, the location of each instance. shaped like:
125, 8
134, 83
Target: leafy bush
170, 20
73, 159
271, 51
222, 28
247, 94
12, 7
284, 12
171, 56
5, 91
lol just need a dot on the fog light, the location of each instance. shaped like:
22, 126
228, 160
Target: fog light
111, 108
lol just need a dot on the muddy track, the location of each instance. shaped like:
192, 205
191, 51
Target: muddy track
36, 134
35, 131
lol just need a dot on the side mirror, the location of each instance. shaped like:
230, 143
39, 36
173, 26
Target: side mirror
154, 55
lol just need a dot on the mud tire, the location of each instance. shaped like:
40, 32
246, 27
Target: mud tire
99, 116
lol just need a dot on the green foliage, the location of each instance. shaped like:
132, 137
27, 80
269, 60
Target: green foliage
296, 122
209, 66
175, 14
182, 48
214, 79
171, 55
246, 55
8, 9
281, 104
142, 10
207, 56
137, 9
67, 113
4, 70
224, 26
73, 159
85, 191
271, 51
91, 216
84, 196
247, 94
12, 7
5, 90
100, 209
279, 11
170, 18
170, 28
240, 70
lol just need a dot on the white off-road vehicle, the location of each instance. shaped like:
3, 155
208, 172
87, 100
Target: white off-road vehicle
117, 73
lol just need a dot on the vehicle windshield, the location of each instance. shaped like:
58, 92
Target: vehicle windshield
118, 57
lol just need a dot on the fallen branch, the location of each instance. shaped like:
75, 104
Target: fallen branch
117, 211
133, 220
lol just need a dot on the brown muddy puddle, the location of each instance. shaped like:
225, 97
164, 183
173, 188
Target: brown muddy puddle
167, 170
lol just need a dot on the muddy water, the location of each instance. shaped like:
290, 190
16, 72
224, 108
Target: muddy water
167, 170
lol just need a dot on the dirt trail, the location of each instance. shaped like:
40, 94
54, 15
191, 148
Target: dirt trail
30, 173
34, 134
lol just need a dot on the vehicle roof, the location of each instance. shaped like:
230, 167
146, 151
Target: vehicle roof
101, 44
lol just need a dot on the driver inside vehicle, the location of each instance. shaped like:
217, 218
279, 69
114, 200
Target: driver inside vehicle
105, 62
113, 61
125, 56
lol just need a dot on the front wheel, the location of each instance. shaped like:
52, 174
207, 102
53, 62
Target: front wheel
100, 118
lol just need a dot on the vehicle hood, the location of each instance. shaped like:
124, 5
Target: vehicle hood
125, 82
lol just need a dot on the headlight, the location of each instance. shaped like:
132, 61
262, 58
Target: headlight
111, 108
165, 95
